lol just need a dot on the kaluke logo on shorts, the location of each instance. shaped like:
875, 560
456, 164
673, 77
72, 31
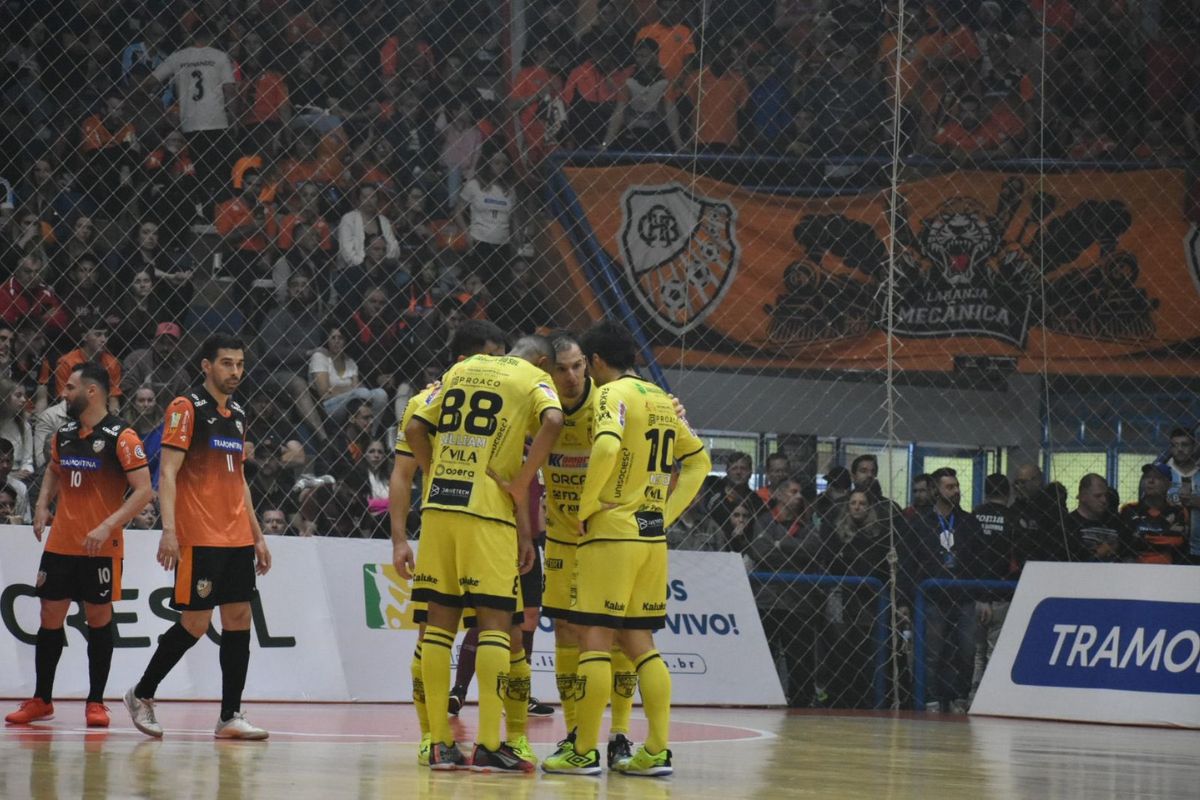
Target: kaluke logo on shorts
680, 252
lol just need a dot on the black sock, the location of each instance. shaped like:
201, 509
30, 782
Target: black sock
100, 650
171, 647
527, 643
46, 652
235, 661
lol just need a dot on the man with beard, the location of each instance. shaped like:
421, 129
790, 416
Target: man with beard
93, 459
211, 537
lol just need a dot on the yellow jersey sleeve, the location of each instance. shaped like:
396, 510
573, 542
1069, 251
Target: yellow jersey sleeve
416, 401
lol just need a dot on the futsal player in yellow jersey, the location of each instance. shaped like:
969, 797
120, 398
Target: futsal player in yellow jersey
621, 560
473, 337
564, 473
476, 538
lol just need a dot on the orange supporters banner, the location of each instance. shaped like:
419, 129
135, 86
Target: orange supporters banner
722, 276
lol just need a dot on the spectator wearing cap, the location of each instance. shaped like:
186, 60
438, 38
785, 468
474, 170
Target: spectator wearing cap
1093, 530
162, 365
1185, 487
995, 560
93, 346
1159, 530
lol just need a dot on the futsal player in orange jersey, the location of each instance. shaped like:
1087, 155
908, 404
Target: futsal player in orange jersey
94, 457
211, 537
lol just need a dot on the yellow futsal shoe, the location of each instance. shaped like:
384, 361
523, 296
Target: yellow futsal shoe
423, 750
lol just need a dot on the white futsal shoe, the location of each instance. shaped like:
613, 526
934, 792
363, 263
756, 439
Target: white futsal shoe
238, 727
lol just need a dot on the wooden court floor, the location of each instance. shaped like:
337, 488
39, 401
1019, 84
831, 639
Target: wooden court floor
328, 752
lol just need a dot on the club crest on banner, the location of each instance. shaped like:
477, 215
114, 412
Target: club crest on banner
680, 252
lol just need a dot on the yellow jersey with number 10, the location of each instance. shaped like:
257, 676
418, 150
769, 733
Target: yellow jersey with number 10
565, 469
642, 417
480, 416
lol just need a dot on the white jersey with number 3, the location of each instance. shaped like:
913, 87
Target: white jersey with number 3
200, 74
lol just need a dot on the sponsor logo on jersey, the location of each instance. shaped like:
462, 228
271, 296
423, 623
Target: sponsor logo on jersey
241, 428
612, 605
446, 492
112, 431
568, 462
650, 523
654, 606
139, 451
225, 443
1125, 645
386, 598
549, 390
79, 463
621, 413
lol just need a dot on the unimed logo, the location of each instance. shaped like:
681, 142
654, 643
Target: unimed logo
1130, 645
385, 597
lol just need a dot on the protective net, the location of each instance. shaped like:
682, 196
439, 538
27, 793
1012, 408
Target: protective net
866, 243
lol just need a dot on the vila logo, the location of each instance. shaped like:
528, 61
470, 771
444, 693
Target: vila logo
1128, 645
385, 598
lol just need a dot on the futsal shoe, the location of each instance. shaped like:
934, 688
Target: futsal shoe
238, 727
644, 765
423, 750
31, 710
539, 709
521, 747
501, 761
96, 715
142, 713
567, 745
619, 749
446, 757
568, 762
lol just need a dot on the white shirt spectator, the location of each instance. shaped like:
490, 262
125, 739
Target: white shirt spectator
490, 212
352, 239
321, 362
200, 75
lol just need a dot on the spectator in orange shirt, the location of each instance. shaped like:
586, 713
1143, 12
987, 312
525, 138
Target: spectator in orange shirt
268, 104
171, 188
305, 206
532, 103
718, 93
93, 347
109, 148
975, 131
673, 37
248, 229
591, 92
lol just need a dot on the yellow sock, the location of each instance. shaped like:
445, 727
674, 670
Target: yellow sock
655, 682
595, 681
516, 699
435, 674
566, 662
624, 686
418, 684
491, 667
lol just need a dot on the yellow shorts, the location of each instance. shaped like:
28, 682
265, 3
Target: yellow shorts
621, 584
466, 562
560, 578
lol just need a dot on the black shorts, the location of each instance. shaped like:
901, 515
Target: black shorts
533, 582
208, 577
85, 579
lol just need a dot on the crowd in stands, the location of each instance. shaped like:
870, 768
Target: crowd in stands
822, 637
346, 181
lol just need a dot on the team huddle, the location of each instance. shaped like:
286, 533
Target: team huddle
619, 464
